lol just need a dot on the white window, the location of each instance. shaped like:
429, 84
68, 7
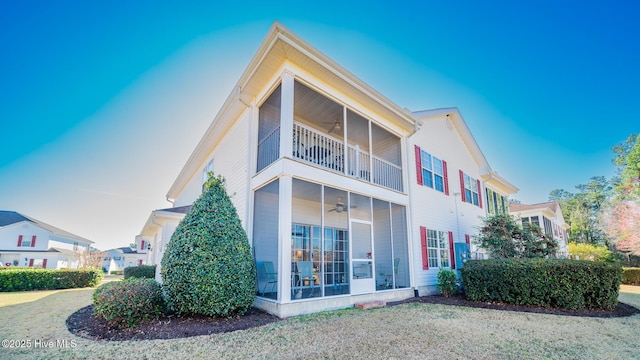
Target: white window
438, 249
205, 173
432, 171
471, 190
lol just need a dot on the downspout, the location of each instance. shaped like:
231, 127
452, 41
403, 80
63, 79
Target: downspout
412, 272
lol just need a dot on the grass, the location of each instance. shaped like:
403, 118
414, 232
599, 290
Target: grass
412, 331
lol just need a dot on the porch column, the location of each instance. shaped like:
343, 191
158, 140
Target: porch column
284, 239
286, 115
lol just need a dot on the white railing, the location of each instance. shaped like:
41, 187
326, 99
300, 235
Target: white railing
325, 151
358, 161
269, 149
387, 174
317, 148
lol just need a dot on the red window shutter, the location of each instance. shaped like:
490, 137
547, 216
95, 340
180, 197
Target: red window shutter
44, 263
418, 165
33, 241
479, 194
30, 262
425, 251
19, 240
446, 177
467, 239
142, 245
452, 255
464, 198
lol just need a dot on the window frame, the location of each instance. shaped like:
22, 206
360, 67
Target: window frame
430, 176
438, 256
471, 196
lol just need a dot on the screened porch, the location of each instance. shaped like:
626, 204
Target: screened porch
337, 242
328, 135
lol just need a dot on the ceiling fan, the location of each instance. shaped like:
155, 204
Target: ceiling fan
334, 126
340, 207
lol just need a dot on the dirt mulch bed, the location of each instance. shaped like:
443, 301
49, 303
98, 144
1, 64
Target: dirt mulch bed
82, 323
621, 310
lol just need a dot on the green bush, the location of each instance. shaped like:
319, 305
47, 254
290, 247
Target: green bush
567, 284
447, 282
127, 303
23, 279
140, 272
631, 276
208, 267
116, 272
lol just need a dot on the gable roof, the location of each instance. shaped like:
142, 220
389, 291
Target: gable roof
13, 217
179, 209
551, 205
163, 214
486, 172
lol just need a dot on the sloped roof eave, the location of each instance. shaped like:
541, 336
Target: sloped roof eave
241, 95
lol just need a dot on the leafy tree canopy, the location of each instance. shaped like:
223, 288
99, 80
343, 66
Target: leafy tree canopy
503, 237
627, 158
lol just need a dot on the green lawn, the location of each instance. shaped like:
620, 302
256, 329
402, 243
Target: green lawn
415, 331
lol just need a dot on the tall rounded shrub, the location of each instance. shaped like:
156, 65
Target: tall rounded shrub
207, 267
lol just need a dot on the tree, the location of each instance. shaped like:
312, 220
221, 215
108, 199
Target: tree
581, 209
621, 221
208, 267
503, 237
89, 257
582, 251
627, 158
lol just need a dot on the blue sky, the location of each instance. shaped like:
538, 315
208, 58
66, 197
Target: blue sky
101, 103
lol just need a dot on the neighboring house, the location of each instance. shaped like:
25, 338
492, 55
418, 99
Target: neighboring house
346, 197
25, 241
548, 216
119, 258
157, 232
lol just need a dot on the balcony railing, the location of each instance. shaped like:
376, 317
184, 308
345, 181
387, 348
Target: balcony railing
269, 149
323, 150
317, 148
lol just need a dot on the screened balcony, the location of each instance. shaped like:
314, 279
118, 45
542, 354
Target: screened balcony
329, 135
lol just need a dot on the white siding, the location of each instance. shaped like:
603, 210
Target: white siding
9, 236
431, 208
229, 160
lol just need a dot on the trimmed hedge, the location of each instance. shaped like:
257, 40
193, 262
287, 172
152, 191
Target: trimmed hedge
127, 303
140, 272
567, 284
23, 279
631, 276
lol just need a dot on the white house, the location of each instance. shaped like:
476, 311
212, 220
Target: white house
548, 216
119, 258
346, 196
25, 241
157, 231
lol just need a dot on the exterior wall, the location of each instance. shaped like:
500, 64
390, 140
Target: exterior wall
229, 160
25, 254
115, 260
9, 236
434, 209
